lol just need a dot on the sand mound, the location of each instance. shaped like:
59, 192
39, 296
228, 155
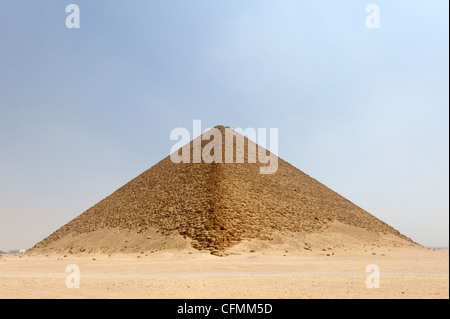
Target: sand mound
213, 207
117, 240
336, 238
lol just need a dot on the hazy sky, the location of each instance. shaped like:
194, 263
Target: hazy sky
83, 111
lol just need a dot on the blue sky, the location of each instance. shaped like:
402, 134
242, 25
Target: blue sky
83, 111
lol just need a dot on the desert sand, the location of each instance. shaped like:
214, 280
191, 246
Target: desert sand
404, 273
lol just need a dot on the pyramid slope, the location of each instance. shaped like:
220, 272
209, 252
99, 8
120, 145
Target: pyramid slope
216, 206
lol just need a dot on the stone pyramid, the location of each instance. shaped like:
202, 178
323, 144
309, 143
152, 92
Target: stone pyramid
212, 205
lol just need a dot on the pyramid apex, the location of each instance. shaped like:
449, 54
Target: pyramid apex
221, 128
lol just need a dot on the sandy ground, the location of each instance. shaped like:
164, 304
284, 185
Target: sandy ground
404, 273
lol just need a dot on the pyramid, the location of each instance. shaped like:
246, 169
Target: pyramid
211, 206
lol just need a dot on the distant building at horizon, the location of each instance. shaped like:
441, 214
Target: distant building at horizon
13, 251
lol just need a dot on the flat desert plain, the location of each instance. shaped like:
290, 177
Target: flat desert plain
404, 273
